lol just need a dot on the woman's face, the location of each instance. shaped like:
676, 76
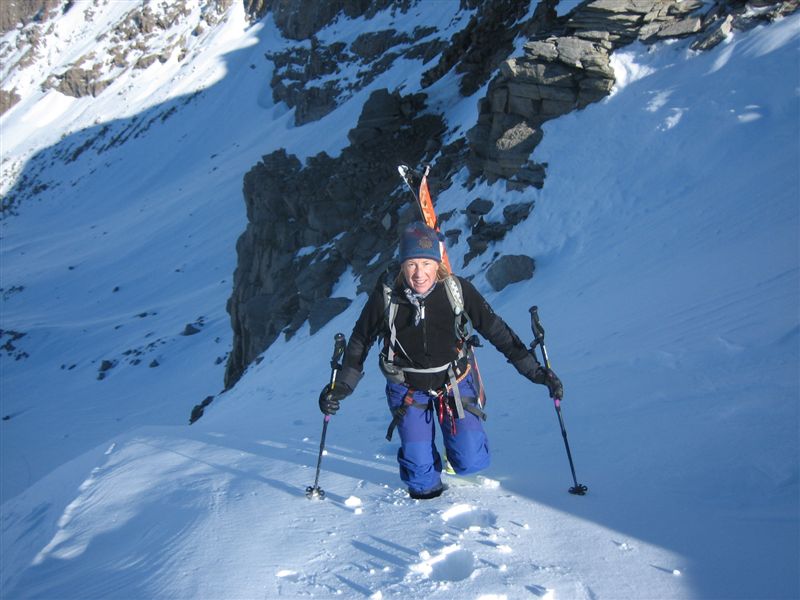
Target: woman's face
420, 273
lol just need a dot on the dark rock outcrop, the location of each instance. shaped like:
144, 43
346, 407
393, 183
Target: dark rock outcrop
311, 80
567, 67
136, 42
508, 269
77, 82
22, 12
308, 223
488, 39
483, 232
301, 21
477, 209
559, 73
8, 99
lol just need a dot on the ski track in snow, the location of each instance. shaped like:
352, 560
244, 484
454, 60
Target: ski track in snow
463, 546
463, 543
207, 511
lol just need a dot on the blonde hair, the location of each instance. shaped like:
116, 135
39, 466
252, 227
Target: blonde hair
443, 272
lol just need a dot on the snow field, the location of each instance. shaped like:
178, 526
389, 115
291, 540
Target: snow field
666, 241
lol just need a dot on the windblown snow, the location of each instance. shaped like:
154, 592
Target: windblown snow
666, 244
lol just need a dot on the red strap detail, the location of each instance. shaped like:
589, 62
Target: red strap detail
444, 407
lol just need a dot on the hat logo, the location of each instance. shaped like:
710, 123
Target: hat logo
425, 243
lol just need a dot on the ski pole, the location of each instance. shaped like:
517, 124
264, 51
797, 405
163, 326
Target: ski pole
314, 491
538, 340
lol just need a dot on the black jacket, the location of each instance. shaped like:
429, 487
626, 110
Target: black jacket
433, 342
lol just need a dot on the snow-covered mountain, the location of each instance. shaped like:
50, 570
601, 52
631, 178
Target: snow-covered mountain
666, 247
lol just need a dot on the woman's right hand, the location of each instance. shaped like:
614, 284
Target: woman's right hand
329, 398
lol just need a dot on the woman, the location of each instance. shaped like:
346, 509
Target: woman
426, 362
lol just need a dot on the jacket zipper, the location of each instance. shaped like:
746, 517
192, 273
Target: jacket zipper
424, 328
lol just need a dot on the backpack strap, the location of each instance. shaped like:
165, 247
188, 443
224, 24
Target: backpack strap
463, 327
461, 323
391, 310
453, 287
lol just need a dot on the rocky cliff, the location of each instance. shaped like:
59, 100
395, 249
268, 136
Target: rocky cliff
302, 236
134, 43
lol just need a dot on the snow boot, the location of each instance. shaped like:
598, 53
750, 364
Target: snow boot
434, 492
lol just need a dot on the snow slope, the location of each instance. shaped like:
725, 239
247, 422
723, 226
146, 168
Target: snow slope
666, 240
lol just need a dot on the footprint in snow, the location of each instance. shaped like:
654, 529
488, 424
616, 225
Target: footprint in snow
452, 563
288, 575
466, 516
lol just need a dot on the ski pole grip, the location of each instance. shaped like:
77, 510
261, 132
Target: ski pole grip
338, 349
536, 325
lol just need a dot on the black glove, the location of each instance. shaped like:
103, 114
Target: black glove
329, 398
550, 379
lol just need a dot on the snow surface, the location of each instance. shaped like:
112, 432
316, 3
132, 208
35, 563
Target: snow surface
666, 241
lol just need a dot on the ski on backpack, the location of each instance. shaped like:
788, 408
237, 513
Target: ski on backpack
411, 178
418, 184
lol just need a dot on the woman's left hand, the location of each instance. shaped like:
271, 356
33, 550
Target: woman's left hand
550, 379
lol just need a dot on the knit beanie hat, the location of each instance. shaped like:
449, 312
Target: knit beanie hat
420, 241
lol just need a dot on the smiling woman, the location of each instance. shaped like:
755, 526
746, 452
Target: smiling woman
421, 257
420, 273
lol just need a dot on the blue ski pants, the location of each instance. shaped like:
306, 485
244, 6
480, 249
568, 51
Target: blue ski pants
420, 463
